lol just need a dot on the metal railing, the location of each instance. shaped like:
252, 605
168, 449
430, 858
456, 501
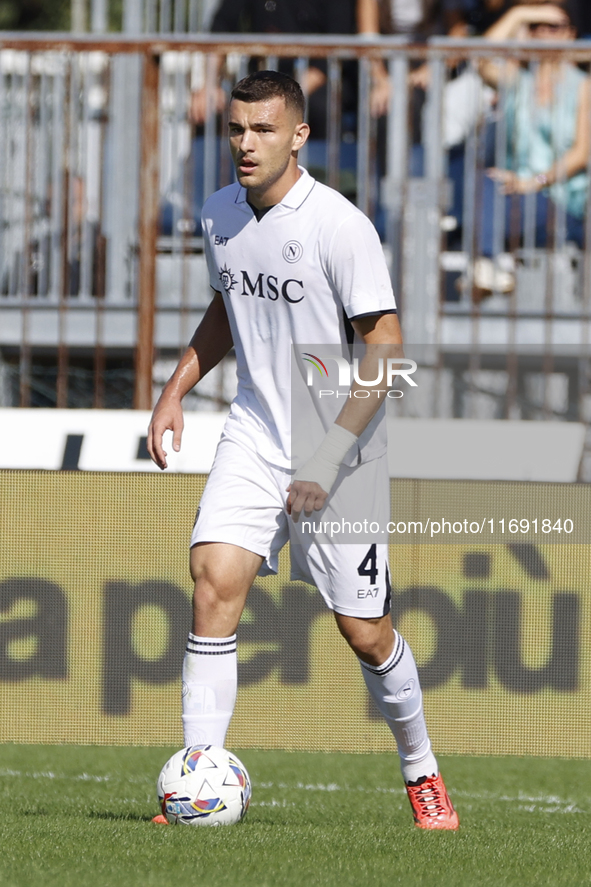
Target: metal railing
103, 174
142, 16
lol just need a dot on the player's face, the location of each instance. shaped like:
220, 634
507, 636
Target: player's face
264, 140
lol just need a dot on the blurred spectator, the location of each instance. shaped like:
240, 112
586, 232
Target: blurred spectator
477, 16
288, 17
34, 15
419, 19
547, 119
579, 12
465, 97
186, 192
416, 18
546, 112
467, 18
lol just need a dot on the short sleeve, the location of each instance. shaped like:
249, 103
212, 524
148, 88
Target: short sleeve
358, 270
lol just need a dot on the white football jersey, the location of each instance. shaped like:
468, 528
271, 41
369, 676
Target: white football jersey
293, 277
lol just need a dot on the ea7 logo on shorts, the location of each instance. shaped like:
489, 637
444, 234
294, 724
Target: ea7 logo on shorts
293, 251
363, 593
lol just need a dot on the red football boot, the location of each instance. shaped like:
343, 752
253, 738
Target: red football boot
431, 806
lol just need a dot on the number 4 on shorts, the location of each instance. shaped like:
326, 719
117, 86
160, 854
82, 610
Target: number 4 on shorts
369, 565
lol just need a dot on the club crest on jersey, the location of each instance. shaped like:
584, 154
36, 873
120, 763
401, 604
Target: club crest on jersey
293, 251
227, 278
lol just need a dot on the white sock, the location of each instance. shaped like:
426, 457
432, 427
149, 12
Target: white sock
395, 687
210, 680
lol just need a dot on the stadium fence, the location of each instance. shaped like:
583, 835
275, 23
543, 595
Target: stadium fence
102, 272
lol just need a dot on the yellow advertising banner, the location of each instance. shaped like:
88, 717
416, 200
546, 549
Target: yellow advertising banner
95, 608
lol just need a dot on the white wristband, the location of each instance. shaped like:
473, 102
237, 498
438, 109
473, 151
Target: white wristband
323, 467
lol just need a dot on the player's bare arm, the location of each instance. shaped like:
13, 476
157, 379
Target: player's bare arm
381, 333
383, 338
210, 343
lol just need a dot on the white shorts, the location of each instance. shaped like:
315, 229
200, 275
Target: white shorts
244, 504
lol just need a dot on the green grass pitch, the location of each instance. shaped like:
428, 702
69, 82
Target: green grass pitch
81, 816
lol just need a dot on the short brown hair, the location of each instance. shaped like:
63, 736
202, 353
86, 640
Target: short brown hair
264, 85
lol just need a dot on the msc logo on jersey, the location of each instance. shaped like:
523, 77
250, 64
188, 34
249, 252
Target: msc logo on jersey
264, 286
227, 278
293, 251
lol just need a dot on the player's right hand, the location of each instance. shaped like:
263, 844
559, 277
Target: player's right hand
306, 496
167, 416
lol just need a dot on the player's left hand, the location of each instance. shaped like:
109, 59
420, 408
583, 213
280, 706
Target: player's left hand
306, 496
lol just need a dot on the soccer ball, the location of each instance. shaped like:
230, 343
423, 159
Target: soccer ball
204, 785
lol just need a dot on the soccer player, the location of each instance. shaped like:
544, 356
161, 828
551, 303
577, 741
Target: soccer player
287, 255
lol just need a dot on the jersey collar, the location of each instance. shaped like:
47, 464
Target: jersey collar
295, 196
